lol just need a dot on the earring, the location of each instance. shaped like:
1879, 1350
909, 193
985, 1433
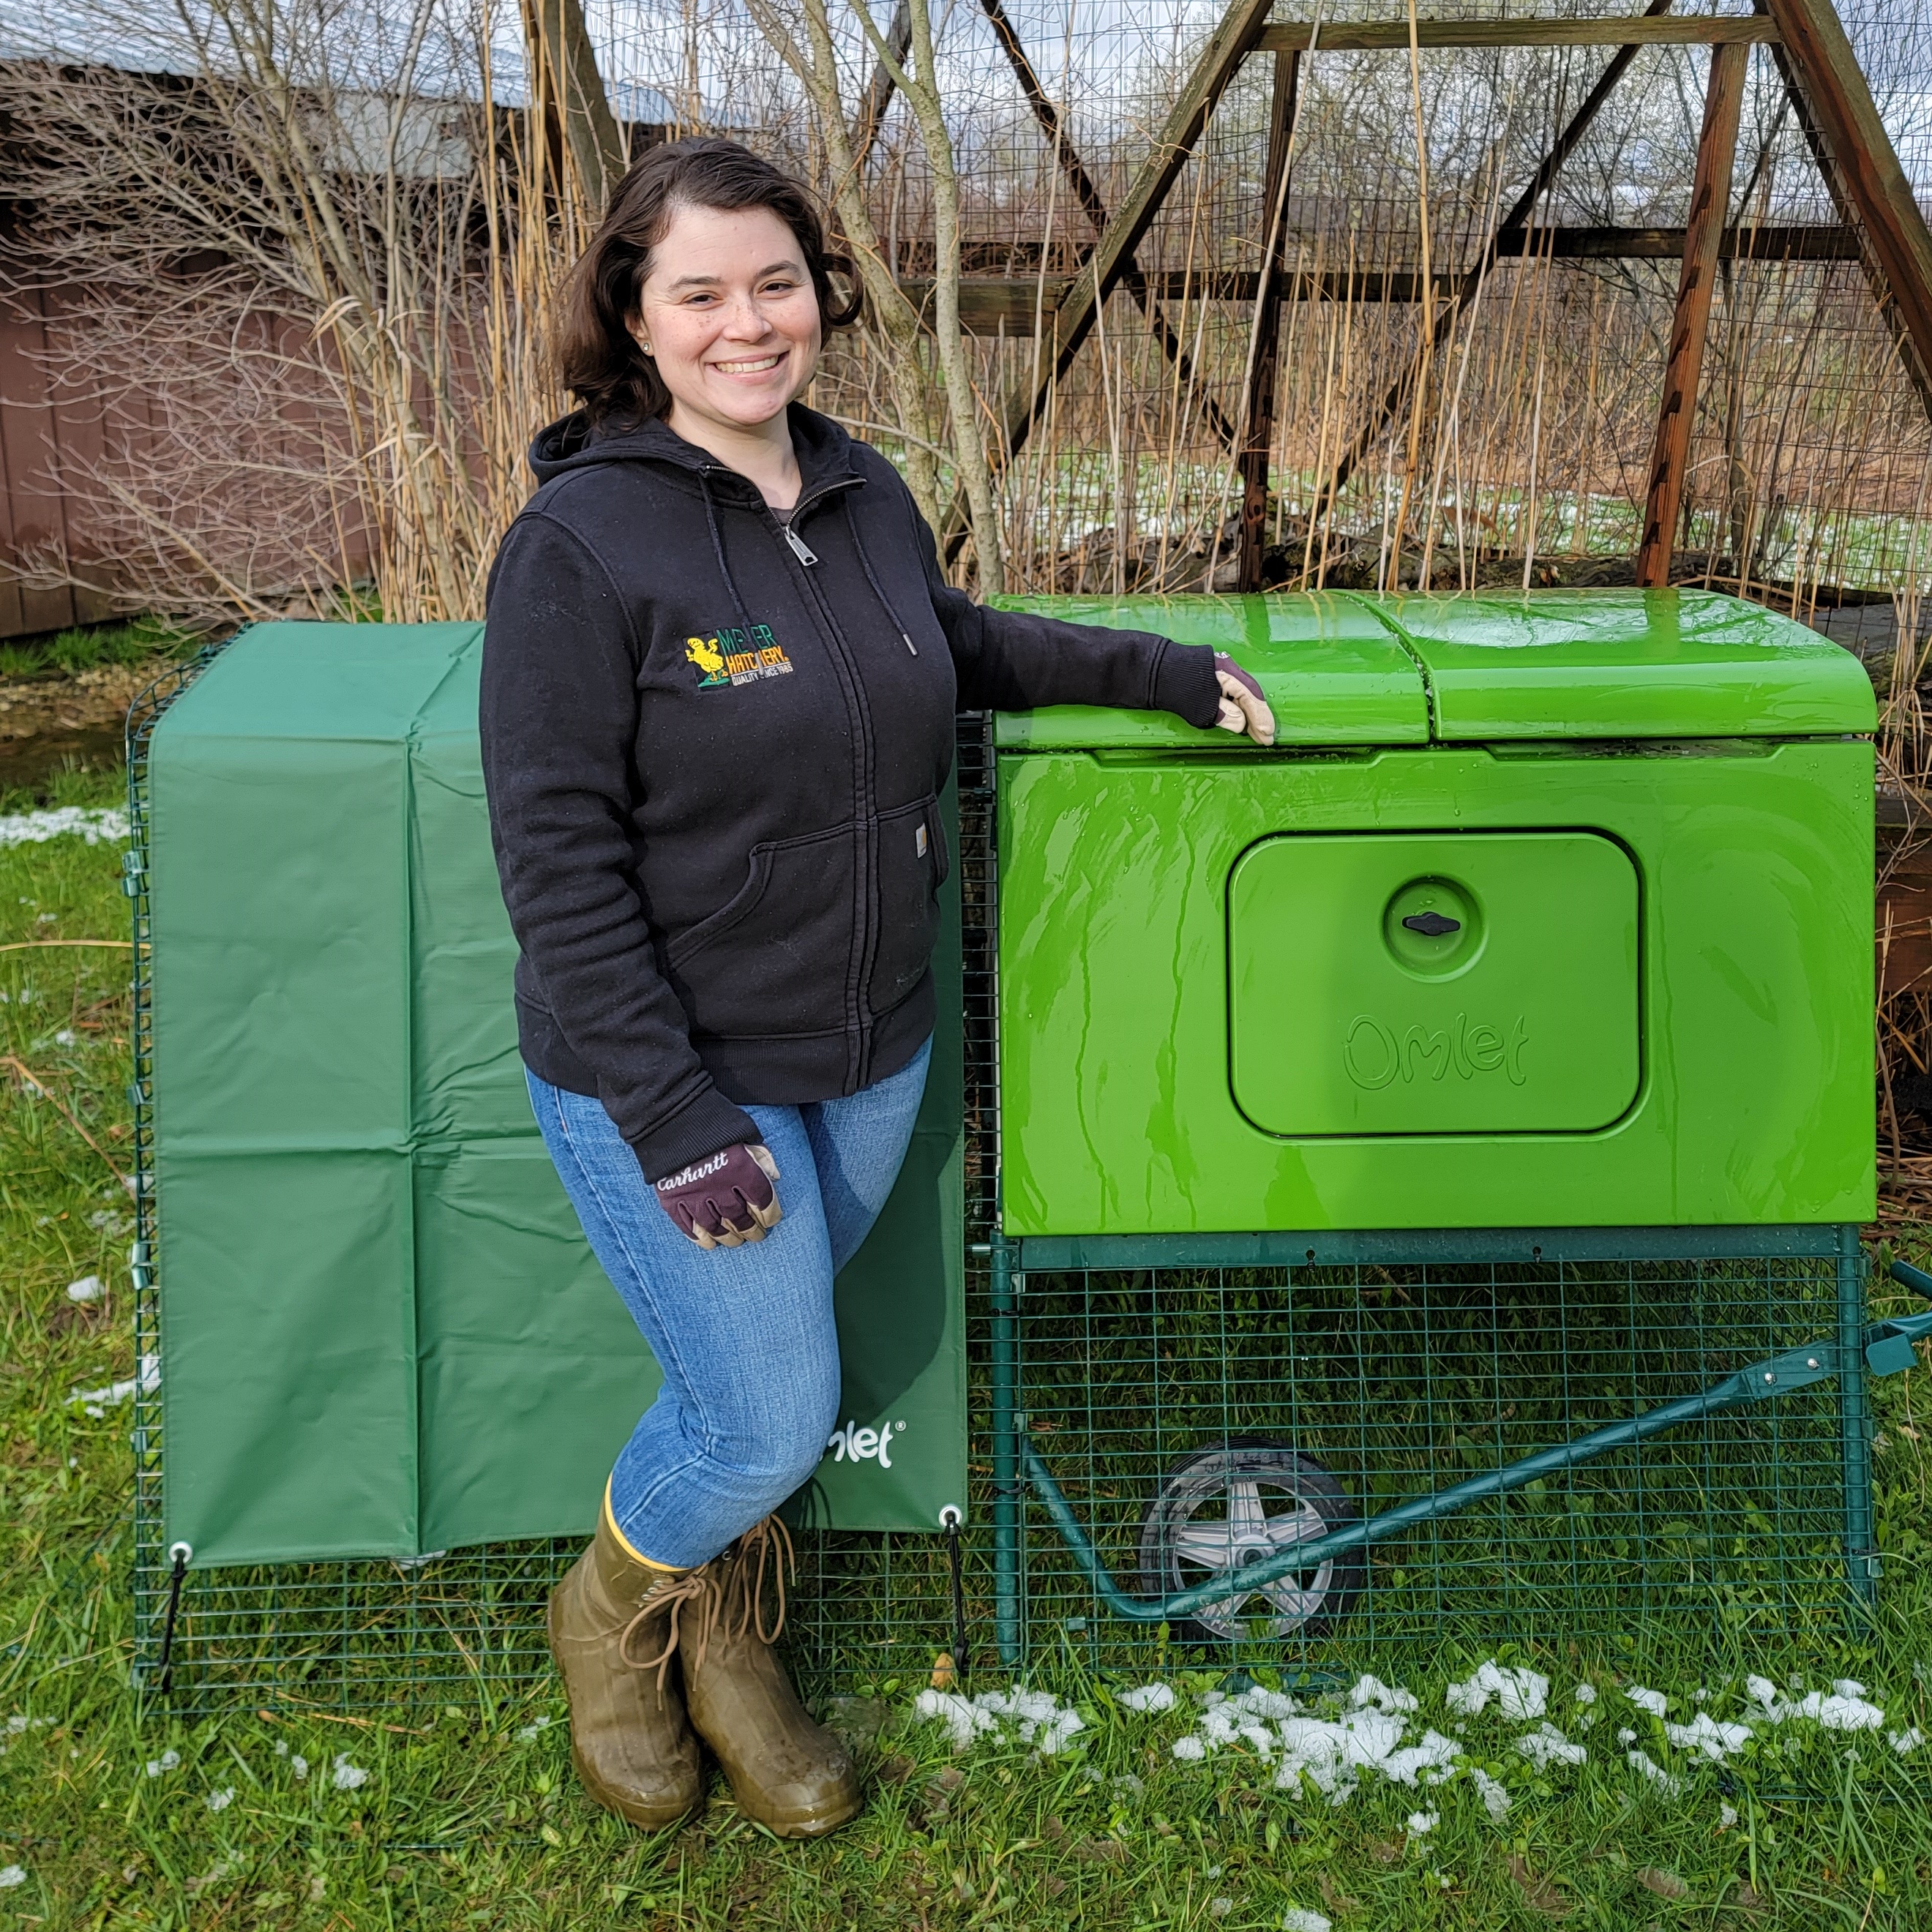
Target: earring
645, 346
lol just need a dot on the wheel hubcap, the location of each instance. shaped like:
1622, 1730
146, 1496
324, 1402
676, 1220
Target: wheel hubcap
1201, 1548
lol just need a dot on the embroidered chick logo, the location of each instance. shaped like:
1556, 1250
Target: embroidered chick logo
705, 654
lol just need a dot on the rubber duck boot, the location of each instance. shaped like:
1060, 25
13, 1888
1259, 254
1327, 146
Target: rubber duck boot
612, 1633
787, 1773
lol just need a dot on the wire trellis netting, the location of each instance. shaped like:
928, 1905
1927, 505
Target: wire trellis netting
1445, 410
1522, 454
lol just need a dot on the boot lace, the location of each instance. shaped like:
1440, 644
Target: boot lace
766, 1547
727, 1594
696, 1591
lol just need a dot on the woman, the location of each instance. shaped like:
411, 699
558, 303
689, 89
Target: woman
719, 683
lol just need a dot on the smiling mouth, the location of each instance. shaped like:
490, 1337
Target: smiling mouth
754, 366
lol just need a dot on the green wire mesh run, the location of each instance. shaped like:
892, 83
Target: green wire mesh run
342, 1636
1182, 1410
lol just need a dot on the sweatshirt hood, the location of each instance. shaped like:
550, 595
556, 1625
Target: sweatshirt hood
824, 450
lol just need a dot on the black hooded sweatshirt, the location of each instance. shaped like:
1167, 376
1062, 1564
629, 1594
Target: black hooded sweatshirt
714, 749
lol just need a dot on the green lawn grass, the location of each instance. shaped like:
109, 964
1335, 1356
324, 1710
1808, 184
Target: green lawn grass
465, 1813
88, 647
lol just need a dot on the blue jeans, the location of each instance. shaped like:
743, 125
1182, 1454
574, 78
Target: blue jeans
745, 1336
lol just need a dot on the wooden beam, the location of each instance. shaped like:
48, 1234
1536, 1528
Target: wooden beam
1710, 203
1216, 65
1862, 169
1633, 30
1005, 304
1396, 398
1257, 406
1095, 210
1796, 241
569, 86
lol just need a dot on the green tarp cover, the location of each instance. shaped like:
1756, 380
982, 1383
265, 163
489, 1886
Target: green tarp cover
383, 1333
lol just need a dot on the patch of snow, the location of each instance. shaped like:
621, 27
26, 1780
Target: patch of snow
1546, 1745
1037, 1717
1295, 1919
89, 1288
10, 1876
1842, 1712
1148, 1697
36, 828
1727, 1816
1390, 1698
1586, 1694
96, 1402
962, 1717
1332, 1755
167, 1761
1638, 1760
1495, 1794
1905, 1742
1421, 1822
1654, 1702
529, 1731
1190, 1750
1837, 1710
1521, 1694
347, 1776
1706, 1737
219, 1801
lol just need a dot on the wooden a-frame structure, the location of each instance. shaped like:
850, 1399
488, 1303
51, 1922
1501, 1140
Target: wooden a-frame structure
1881, 224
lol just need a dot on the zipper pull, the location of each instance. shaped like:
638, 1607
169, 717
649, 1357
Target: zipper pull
798, 550
910, 645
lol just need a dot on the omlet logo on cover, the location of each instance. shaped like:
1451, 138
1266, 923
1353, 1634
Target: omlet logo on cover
854, 1445
1374, 1054
731, 657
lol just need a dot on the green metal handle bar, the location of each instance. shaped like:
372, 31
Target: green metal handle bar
1779, 1376
1906, 1276
1889, 1346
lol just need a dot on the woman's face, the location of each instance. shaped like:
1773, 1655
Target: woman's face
729, 315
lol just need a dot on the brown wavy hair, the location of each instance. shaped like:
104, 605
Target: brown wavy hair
597, 355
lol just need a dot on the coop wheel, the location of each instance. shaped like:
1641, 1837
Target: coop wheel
1222, 1509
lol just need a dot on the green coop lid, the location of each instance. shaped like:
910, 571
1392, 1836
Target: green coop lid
1626, 663
1333, 670
1405, 669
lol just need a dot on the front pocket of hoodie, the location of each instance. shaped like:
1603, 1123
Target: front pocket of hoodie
773, 958
911, 866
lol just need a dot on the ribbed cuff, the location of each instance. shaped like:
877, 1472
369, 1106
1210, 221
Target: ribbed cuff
709, 1123
1184, 683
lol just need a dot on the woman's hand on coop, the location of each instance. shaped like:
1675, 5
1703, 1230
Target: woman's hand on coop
1243, 706
725, 1199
